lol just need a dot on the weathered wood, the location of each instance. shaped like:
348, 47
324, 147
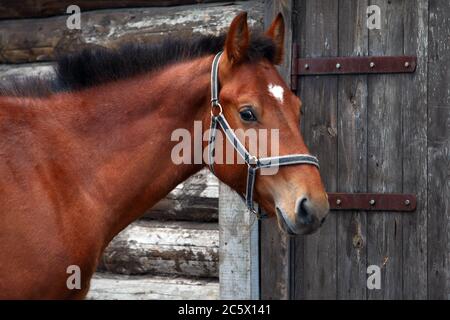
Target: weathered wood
316, 254
10, 9
438, 202
439, 150
439, 53
164, 248
195, 199
384, 234
114, 287
276, 246
352, 153
8, 71
239, 248
414, 150
43, 39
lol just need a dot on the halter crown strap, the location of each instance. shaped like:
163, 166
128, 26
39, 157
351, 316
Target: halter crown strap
253, 162
214, 103
215, 79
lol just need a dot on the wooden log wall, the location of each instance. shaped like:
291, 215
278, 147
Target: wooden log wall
154, 247
11, 9
115, 287
34, 40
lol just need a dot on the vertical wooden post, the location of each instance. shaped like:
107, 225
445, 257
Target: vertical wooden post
239, 248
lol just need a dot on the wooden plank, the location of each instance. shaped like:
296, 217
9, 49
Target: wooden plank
239, 248
316, 254
164, 248
438, 202
43, 39
384, 234
439, 53
352, 153
11, 9
439, 150
276, 246
114, 287
414, 151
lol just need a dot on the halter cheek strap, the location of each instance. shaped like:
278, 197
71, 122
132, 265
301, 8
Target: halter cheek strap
253, 163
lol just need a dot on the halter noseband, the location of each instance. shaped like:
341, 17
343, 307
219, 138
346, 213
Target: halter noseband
252, 162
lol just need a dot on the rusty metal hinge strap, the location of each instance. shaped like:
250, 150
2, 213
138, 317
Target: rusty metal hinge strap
354, 65
372, 201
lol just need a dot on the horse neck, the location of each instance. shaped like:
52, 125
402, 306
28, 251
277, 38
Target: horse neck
123, 138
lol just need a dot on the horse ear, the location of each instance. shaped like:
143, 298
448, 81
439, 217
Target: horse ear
276, 33
237, 39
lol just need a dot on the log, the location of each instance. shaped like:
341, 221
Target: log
164, 248
114, 287
195, 200
12, 9
26, 70
44, 39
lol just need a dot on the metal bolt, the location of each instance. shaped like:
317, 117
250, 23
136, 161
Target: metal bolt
407, 202
306, 66
372, 64
338, 65
407, 64
338, 201
372, 202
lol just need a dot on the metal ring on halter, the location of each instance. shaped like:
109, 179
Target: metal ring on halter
255, 164
215, 105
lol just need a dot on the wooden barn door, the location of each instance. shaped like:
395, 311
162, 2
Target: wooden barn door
370, 134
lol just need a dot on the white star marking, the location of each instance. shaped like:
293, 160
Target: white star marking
276, 91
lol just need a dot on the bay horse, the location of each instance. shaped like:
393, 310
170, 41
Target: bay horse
84, 153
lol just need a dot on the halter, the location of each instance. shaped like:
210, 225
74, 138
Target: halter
253, 163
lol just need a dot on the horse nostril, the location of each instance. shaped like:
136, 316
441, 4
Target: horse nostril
303, 214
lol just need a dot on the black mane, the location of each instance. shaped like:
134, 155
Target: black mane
95, 66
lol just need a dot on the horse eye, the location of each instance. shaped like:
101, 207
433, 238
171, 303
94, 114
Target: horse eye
247, 115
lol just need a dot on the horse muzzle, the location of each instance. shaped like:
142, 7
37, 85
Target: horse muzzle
305, 219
